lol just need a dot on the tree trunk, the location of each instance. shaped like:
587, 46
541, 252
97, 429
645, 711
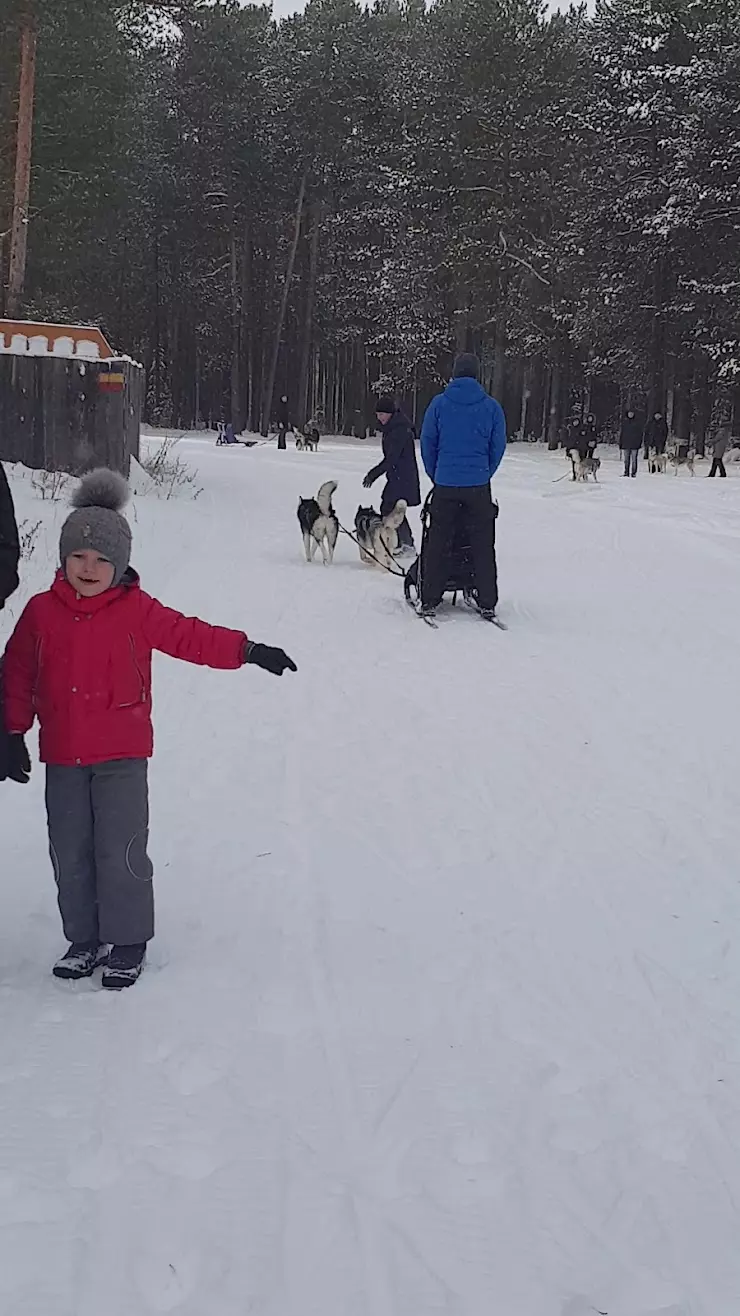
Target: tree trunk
24, 141
657, 341
499, 364
247, 324
269, 391
526, 395
316, 214
702, 403
553, 424
235, 407
735, 421
682, 405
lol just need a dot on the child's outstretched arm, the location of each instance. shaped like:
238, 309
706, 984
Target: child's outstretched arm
196, 641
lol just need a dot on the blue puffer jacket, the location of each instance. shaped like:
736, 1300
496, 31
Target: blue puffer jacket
463, 437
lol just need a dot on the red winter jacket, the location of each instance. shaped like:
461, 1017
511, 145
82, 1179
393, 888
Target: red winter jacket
84, 668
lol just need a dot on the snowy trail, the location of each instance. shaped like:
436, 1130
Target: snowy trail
443, 1014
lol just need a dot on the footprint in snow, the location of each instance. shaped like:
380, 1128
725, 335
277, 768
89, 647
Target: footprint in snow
186, 1160
165, 1284
194, 1072
96, 1170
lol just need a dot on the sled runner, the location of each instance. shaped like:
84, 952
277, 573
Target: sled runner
460, 574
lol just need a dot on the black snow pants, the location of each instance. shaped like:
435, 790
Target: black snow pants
98, 832
447, 507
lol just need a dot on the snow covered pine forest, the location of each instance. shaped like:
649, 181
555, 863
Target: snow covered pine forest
443, 1013
557, 193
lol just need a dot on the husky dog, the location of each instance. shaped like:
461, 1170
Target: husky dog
378, 535
319, 523
585, 466
657, 462
679, 455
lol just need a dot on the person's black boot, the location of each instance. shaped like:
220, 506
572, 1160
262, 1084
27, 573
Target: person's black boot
124, 966
81, 960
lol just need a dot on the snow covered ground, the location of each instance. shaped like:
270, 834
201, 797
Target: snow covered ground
443, 1015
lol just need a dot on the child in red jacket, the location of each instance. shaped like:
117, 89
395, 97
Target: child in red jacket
80, 660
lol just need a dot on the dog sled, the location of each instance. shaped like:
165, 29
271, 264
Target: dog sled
460, 572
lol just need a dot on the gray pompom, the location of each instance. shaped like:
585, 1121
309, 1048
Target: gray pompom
101, 488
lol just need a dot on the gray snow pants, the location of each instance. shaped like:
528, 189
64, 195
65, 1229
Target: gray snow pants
98, 831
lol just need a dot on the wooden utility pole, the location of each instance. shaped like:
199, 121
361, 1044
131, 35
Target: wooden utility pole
19, 227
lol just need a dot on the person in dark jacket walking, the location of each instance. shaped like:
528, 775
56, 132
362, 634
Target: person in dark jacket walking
80, 659
399, 465
719, 448
630, 441
283, 421
463, 440
655, 436
14, 760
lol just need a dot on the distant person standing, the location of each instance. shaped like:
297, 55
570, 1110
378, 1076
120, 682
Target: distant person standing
719, 448
655, 436
399, 465
630, 442
283, 421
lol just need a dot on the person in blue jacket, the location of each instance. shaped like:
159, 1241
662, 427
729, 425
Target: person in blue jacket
463, 439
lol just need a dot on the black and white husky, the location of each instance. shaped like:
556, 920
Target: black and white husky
319, 523
377, 535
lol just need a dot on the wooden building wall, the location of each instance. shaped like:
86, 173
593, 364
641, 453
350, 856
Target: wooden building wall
69, 415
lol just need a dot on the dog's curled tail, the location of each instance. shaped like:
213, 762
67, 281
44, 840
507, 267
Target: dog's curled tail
324, 496
394, 518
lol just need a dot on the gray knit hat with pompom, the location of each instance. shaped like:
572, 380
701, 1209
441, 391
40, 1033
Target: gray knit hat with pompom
96, 523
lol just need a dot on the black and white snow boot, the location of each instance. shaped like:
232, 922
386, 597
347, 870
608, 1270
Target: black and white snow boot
81, 960
124, 966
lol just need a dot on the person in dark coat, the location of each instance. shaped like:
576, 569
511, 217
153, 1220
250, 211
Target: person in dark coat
719, 448
14, 760
630, 441
463, 440
655, 436
283, 421
583, 440
398, 465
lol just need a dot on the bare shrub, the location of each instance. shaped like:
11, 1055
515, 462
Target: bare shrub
50, 484
169, 473
28, 533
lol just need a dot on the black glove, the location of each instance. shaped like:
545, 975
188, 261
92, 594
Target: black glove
14, 760
273, 660
368, 482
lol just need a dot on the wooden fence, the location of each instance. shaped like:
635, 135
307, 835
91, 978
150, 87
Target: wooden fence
70, 415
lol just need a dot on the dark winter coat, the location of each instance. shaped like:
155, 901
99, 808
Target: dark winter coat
9, 547
656, 434
630, 438
463, 438
584, 438
399, 463
721, 444
283, 415
83, 667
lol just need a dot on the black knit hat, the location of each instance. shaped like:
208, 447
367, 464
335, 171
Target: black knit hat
385, 405
467, 366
